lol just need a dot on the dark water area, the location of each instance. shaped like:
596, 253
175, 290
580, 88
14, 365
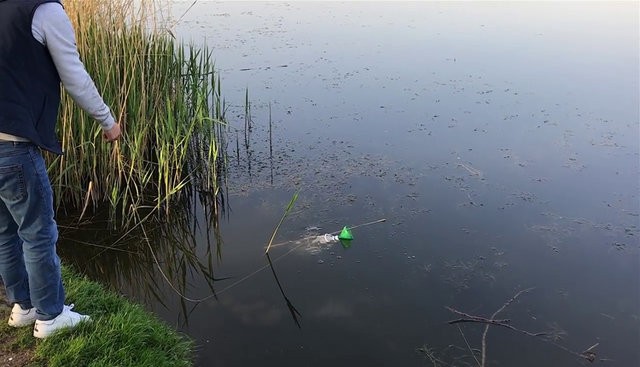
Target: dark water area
500, 141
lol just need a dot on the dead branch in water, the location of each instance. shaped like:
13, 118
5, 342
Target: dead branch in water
587, 354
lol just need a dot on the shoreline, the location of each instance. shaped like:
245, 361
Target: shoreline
121, 333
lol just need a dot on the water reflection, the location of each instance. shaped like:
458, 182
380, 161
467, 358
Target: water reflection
295, 315
155, 258
162, 259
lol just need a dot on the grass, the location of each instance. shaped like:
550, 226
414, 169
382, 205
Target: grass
166, 95
121, 334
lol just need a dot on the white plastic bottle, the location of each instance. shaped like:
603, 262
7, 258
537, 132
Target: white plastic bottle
326, 238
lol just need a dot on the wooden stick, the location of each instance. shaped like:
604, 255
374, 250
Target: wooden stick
587, 354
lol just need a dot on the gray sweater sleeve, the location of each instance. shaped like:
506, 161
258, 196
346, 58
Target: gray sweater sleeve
51, 27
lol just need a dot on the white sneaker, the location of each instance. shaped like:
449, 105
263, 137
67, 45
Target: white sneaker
67, 319
20, 317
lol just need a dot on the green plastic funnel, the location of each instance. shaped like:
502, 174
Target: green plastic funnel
345, 234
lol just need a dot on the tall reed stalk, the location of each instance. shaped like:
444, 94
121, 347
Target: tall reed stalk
167, 96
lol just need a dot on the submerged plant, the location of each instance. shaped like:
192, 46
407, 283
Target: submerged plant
167, 96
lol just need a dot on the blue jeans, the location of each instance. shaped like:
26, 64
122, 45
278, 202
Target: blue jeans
29, 265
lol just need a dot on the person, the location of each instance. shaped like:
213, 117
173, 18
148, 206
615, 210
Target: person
37, 53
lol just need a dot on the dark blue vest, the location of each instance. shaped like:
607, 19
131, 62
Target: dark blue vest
29, 81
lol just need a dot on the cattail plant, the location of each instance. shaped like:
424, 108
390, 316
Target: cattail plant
167, 97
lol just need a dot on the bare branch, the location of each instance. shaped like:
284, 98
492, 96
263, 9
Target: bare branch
587, 354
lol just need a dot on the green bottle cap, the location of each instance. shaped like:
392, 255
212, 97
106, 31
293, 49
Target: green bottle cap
345, 234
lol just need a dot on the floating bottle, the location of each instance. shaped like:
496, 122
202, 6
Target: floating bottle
326, 239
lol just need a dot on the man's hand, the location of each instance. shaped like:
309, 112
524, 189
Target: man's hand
112, 134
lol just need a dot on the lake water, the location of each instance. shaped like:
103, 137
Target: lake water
500, 141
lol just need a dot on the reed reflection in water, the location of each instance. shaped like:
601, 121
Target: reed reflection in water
153, 259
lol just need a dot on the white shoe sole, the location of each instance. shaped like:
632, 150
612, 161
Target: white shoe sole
23, 323
47, 332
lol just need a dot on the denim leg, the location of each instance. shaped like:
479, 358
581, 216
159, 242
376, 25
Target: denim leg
28, 196
12, 269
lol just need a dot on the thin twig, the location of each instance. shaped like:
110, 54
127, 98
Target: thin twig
502, 323
286, 212
468, 346
467, 317
486, 329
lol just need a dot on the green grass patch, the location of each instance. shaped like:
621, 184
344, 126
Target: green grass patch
120, 334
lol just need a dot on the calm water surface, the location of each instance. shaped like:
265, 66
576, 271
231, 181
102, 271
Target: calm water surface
500, 141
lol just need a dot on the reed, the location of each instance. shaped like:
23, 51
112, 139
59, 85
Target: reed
166, 95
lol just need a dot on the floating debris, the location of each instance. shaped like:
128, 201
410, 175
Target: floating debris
469, 168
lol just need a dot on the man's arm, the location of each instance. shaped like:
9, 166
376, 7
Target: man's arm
51, 27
